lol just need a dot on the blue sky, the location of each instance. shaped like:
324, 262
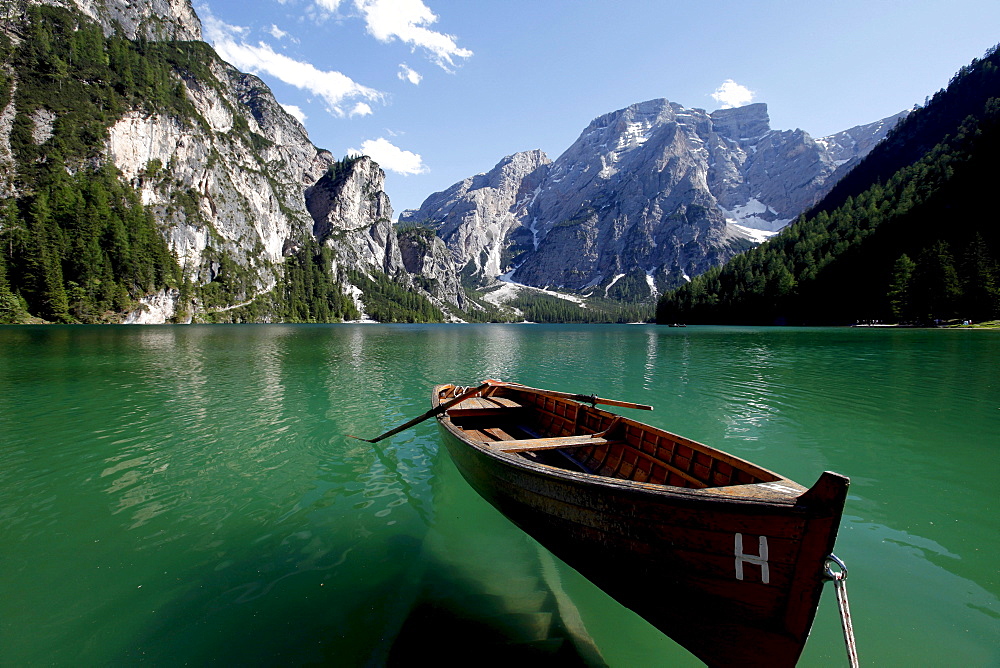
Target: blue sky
439, 90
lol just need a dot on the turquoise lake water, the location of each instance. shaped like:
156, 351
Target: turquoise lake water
188, 495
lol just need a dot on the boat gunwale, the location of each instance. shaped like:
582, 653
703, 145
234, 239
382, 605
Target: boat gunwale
756, 494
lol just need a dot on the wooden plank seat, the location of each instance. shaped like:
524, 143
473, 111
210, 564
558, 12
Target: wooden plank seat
600, 438
528, 444
486, 406
483, 412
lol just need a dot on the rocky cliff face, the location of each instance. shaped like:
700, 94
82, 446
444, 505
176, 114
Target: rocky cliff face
426, 257
227, 180
233, 180
150, 19
655, 191
352, 215
764, 178
479, 218
234, 185
629, 194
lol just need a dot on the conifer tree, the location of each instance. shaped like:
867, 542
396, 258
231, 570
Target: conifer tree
900, 289
982, 281
936, 287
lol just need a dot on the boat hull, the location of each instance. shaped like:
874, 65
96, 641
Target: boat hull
731, 574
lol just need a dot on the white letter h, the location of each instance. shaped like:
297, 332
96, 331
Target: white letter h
760, 559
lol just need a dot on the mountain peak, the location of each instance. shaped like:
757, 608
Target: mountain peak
654, 190
648, 112
516, 166
742, 123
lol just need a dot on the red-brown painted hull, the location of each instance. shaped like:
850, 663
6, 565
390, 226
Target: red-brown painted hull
671, 554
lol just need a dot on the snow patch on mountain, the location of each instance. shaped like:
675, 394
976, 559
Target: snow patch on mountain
753, 234
756, 215
509, 284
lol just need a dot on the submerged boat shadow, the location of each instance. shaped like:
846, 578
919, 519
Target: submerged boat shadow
487, 590
520, 617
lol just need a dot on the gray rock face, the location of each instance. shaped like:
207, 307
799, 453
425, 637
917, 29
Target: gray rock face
425, 255
477, 217
654, 189
851, 145
151, 19
764, 179
244, 179
352, 215
742, 123
629, 194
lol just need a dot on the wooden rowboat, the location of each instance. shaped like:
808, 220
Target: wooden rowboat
723, 556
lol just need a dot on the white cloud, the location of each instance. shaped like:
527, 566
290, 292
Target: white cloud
276, 32
390, 157
361, 109
321, 10
214, 26
731, 94
296, 112
406, 20
408, 74
334, 87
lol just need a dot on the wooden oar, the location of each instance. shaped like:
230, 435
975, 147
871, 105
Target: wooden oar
585, 398
429, 414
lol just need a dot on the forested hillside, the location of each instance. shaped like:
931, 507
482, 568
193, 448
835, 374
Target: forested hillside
77, 242
82, 242
909, 236
78, 245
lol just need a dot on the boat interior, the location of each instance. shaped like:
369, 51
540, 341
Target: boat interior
566, 434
